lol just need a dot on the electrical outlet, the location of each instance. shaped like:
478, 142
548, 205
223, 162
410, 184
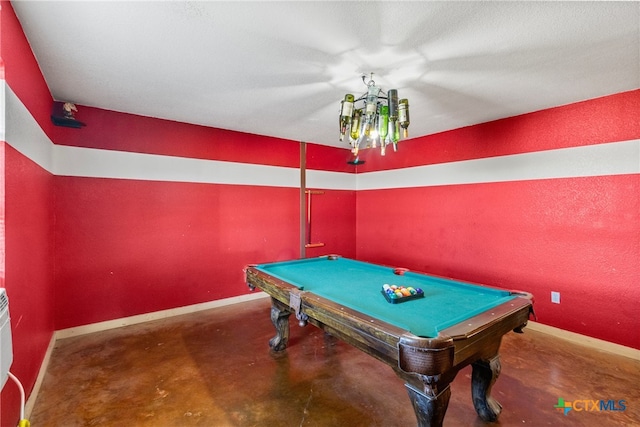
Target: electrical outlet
555, 297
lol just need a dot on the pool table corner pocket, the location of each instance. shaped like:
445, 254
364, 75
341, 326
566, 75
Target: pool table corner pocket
425, 356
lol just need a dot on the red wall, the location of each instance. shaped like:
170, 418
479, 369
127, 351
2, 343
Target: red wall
28, 238
333, 216
29, 270
577, 236
125, 247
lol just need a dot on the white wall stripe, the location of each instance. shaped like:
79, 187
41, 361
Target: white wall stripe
24, 134
88, 162
616, 158
331, 180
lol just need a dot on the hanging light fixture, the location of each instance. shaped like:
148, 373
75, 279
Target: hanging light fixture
373, 119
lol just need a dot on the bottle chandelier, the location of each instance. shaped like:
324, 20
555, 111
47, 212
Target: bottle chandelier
375, 118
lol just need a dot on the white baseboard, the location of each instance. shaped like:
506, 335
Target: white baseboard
156, 315
584, 340
31, 401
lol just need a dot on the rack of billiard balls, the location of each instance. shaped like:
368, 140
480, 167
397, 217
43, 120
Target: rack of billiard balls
396, 294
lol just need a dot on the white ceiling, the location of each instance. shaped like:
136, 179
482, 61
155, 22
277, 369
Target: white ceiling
281, 68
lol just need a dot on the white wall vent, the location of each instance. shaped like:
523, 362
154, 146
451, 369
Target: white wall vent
6, 349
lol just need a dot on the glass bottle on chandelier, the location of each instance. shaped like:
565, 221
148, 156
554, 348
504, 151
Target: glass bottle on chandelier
403, 116
371, 108
394, 131
354, 135
383, 127
346, 111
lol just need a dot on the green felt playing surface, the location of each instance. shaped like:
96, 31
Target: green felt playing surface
357, 285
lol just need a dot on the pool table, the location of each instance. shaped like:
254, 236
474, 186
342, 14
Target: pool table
425, 340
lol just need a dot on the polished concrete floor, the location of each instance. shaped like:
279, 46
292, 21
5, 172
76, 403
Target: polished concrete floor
214, 368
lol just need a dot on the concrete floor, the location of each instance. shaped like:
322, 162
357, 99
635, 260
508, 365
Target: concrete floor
214, 368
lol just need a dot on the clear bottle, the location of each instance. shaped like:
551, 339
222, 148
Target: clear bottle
365, 127
372, 101
346, 111
373, 132
370, 109
403, 116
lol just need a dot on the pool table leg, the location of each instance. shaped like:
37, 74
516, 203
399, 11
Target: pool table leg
485, 373
429, 408
280, 318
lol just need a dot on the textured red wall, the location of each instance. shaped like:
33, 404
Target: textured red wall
574, 236
333, 218
126, 247
578, 236
325, 158
28, 206
29, 266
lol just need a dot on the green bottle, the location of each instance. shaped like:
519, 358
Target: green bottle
383, 122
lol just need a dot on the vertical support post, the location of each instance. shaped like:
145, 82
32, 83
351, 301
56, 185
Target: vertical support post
303, 205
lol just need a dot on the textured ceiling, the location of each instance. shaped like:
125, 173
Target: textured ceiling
281, 68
